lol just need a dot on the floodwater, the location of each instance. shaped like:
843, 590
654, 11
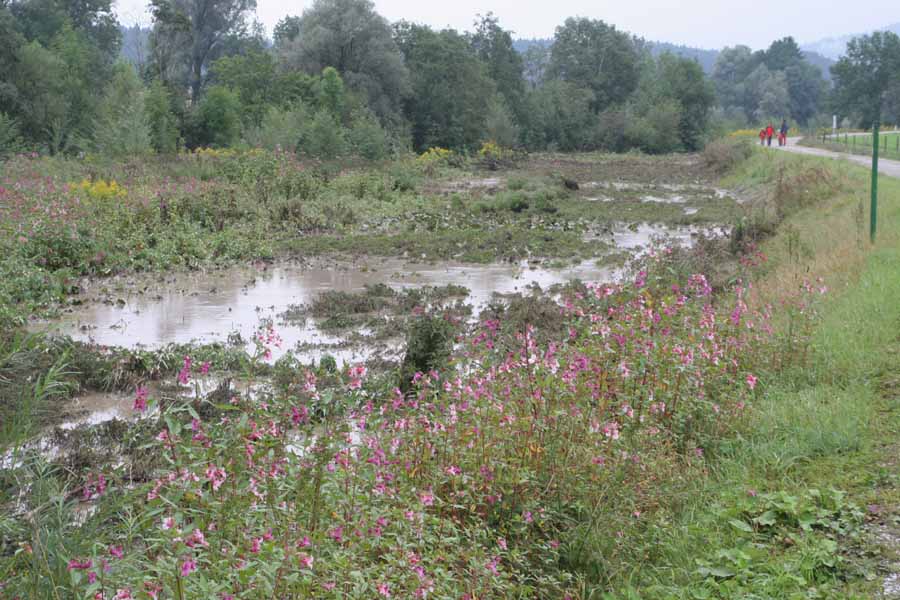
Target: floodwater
207, 307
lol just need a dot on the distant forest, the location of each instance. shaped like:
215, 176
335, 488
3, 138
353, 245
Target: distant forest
340, 79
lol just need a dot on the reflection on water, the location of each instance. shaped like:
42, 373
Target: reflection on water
208, 307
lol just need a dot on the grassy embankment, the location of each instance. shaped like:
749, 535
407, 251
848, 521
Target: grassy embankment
832, 423
888, 144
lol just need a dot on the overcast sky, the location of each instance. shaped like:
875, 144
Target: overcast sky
702, 23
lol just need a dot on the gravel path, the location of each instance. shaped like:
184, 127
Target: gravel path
891, 168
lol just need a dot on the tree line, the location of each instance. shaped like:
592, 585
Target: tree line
340, 79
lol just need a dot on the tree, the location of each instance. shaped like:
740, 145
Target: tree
500, 127
252, 76
43, 20
325, 137
806, 88
593, 55
863, 76
683, 81
729, 76
560, 117
450, 87
351, 37
217, 120
122, 128
535, 61
782, 54
197, 29
286, 31
494, 46
161, 119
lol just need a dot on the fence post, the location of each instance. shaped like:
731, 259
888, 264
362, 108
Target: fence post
874, 214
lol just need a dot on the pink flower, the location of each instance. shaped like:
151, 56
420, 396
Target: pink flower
337, 534
306, 561
751, 381
216, 476
168, 523
196, 539
204, 368
140, 399
384, 590
188, 567
453, 471
255, 545
502, 543
426, 498
529, 518
116, 551
184, 376
80, 564
123, 594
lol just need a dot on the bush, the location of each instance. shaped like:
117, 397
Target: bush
217, 121
123, 128
280, 128
325, 137
723, 155
161, 120
10, 141
367, 138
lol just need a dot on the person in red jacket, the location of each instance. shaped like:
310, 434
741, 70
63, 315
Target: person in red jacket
762, 137
770, 133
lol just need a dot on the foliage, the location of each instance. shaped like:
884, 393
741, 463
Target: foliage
191, 32
217, 121
349, 36
324, 137
123, 126
863, 77
161, 119
560, 117
595, 56
494, 47
10, 140
449, 87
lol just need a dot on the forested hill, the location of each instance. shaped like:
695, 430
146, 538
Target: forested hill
834, 47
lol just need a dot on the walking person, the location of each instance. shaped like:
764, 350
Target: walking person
762, 137
782, 140
770, 133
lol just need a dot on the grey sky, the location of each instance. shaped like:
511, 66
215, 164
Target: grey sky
703, 23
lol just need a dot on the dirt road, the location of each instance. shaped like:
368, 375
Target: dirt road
891, 168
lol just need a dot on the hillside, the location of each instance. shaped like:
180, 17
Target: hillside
834, 47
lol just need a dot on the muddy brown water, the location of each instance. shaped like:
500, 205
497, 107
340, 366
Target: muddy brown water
208, 307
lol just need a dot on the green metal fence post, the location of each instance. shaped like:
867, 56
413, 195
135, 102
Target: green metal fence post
874, 216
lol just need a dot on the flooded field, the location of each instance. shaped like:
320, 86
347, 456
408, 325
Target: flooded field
231, 304
210, 307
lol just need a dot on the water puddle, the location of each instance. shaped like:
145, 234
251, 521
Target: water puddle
211, 307
640, 237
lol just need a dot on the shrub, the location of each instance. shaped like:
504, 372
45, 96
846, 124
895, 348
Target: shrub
725, 154
161, 120
217, 121
325, 137
10, 141
281, 128
367, 138
123, 128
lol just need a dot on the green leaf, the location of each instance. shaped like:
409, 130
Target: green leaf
741, 525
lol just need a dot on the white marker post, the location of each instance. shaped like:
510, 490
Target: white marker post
834, 125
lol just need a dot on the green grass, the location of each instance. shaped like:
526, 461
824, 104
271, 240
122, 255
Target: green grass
832, 423
889, 144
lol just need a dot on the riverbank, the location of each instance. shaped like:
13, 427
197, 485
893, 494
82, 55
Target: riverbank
653, 434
